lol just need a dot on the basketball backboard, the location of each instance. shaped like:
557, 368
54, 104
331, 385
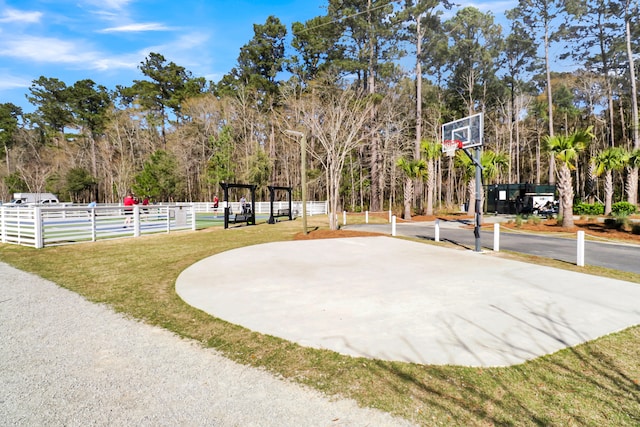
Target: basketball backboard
463, 133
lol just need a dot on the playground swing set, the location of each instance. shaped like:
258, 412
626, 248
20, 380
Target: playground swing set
247, 210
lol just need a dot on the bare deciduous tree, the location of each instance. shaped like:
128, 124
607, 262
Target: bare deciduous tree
336, 121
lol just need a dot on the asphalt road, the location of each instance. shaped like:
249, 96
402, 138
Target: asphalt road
617, 256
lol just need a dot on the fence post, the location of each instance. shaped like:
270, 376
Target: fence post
94, 234
366, 217
37, 223
580, 261
496, 237
393, 225
437, 231
193, 217
136, 221
3, 224
344, 217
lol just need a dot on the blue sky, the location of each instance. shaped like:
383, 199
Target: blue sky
106, 40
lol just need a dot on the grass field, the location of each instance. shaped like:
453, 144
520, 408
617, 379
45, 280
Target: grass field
595, 384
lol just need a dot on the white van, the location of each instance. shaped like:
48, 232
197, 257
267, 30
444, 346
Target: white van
34, 198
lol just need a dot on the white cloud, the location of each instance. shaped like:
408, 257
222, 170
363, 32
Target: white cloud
136, 28
496, 7
57, 51
121, 62
14, 15
190, 50
109, 4
44, 49
9, 81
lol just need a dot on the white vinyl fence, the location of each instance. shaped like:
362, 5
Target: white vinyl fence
39, 226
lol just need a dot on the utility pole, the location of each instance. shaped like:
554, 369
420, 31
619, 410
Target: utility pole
303, 172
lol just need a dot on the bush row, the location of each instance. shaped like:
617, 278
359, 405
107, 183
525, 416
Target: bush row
617, 209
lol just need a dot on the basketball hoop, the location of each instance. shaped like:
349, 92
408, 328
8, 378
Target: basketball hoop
449, 146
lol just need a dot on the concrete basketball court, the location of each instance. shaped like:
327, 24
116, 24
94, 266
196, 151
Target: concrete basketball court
392, 299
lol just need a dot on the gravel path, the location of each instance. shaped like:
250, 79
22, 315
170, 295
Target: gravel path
66, 361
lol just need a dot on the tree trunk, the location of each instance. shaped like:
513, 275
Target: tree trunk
6, 155
631, 186
416, 149
634, 90
333, 184
416, 152
552, 159
375, 165
565, 188
632, 178
471, 189
608, 192
430, 185
377, 189
590, 189
408, 197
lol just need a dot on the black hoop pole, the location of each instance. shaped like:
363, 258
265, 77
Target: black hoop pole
478, 216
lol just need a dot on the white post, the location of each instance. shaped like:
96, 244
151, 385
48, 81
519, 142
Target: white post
393, 225
93, 224
437, 231
344, 217
366, 217
136, 221
580, 239
3, 225
496, 237
39, 235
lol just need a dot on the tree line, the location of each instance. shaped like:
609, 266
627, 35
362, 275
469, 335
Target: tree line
372, 124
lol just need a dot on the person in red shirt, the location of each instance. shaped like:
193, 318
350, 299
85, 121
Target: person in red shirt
216, 201
128, 202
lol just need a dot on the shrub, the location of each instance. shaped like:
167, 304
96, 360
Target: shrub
623, 209
535, 220
611, 223
518, 220
619, 222
588, 208
635, 229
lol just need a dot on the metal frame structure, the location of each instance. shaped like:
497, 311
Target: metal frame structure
272, 198
251, 220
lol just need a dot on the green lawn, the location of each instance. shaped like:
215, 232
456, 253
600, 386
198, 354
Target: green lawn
595, 384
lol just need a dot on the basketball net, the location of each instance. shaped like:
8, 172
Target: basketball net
449, 146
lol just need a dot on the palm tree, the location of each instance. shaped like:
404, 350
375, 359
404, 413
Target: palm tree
566, 149
609, 160
631, 186
412, 169
492, 164
432, 151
